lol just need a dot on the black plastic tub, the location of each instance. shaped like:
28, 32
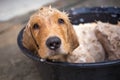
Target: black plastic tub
108, 70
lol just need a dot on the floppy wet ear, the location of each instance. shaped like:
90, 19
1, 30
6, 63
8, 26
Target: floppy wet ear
72, 37
27, 40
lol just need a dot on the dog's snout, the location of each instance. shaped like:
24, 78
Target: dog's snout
53, 43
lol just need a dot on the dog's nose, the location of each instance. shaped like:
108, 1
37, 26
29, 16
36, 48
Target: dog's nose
53, 43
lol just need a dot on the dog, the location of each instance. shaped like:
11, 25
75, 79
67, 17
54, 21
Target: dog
50, 33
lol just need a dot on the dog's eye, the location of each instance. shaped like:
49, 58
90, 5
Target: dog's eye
35, 26
61, 21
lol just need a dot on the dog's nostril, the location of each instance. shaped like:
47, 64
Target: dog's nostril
53, 43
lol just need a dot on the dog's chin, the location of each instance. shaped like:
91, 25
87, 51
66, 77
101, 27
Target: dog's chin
57, 55
59, 58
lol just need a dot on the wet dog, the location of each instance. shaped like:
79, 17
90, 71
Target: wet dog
50, 33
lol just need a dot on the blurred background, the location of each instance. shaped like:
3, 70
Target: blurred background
14, 14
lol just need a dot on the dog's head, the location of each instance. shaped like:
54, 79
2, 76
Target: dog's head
50, 32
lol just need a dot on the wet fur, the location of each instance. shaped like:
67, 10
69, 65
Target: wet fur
47, 19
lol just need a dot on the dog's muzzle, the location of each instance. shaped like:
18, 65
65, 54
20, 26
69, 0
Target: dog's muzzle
53, 43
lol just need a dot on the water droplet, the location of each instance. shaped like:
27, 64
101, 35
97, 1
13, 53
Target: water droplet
72, 9
75, 21
81, 20
115, 6
119, 18
74, 13
102, 6
42, 60
97, 15
114, 15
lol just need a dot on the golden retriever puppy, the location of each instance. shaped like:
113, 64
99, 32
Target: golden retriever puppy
89, 49
50, 33
109, 36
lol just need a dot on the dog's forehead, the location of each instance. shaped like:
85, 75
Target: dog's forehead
46, 12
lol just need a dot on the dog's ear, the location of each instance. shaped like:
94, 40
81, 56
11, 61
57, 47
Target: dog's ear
72, 37
28, 40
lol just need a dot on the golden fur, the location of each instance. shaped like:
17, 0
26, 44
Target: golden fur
47, 19
78, 44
